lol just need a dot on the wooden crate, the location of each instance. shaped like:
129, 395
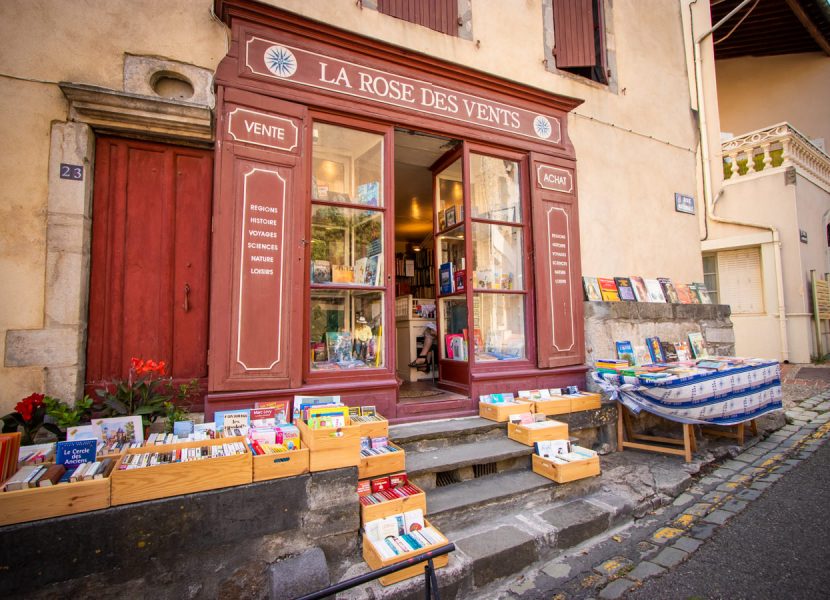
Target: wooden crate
565, 473
34, 504
562, 405
331, 448
374, 428
374, 560
394, 507
528, 436
382, 464
501, 412
174, 479
281, 464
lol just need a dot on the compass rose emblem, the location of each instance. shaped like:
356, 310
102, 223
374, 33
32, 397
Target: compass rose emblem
280, 61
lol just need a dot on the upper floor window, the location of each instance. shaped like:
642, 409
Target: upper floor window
440, 15
579, 38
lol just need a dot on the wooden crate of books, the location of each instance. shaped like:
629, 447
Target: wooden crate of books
377, 428
59, 500
174, 479
562, 405
529, 434
370, 512
374, 560
281, 464
331, 448
501, 411
563, 473
381, 464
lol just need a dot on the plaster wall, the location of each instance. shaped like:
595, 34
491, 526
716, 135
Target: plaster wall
756, 92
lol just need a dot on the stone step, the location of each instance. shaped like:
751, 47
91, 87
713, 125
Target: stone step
444, 433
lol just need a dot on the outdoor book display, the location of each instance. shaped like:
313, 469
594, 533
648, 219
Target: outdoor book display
530, 431
562, 461
389, 495
499, 407
561, 401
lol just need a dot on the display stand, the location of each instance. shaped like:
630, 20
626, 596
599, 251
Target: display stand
735, 432
626, 438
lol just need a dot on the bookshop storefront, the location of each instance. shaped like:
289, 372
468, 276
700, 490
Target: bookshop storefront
382, 219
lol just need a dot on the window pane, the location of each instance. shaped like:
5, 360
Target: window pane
498, 262
450, 195
346, 330
453, 328
499, 326
347, 165
451, 268
494, 189
346, 246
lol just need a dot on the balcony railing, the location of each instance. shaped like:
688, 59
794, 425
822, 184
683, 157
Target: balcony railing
778, 146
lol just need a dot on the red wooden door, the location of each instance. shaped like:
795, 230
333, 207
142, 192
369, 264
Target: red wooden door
149, 285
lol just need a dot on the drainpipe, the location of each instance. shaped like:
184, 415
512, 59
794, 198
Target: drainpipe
709, 201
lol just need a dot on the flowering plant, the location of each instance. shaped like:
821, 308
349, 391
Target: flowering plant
38, 411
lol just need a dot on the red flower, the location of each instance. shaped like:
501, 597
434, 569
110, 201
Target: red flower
147, 366
29, 405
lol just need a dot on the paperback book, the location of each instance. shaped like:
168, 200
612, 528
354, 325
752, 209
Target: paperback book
625, 351
625, 289
668, 290
608, 289
591, 287
655, 291
640, 291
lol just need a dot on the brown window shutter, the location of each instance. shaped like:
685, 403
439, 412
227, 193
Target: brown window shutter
440, 15
573, 30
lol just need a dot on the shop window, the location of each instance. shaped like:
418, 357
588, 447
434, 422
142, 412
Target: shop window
579, 38
740, 279
347, 253
440, 15
498, 259
710, 276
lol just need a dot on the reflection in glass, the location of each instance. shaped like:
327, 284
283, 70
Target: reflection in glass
346, 246
499, 327
347, 165
494, 189
346, 330
451, 269
453, 328
450, 194
498, 263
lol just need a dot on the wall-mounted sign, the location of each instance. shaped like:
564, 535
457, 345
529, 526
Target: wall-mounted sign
559, 268
73, 172
554, 178
275, 60
262, 129
684, 204
802, 235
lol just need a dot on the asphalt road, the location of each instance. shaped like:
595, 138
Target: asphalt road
777, 548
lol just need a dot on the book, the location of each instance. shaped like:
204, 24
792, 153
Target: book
360, 270
549, 448
683, 350
684, 294
694, 293
655, 350
182, 429
121, 430
625, 352
641, 355
590, 286
449, 216
318, 352
233, 422
20, 479
369, 193
608, 289
73, 453
654, 290
625, 290
52, 475
339, 346
263, 417
640, 291
668, 290
669, 351
458, 280
413, 520
373, 271
281, 407
320, 271
35, 454
83, 432
456, 346
9, 453
205, 430
342, 274
445, 280
703, 293
697, 345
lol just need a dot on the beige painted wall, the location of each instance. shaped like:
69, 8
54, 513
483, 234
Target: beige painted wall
756, 92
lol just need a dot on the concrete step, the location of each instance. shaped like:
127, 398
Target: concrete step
444, 433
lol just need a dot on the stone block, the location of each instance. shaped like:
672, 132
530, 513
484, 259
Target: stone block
298, 575
687, 544
66, 383
616, 589
719, 335
669, 557
71, 143
645, 570
55, 347
66, 274
654, 311
576, 522
718, 517
498, 553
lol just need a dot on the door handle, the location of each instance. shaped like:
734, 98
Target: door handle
186, 305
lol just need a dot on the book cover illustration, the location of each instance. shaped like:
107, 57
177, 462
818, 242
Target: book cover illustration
655, 291
369, 193
360, 270
233, 422
698, 346
74, 453
182, 429
342, 274
683, 350
455, 346
121, 430
449, 216
703, 294
320, 271
339, 346
684, 294
669, 351
608, 289
625, 351
641, 355
626, 291
445, 281
640, 291
655, 350
83, 432
668, 290
373, 270
693, 290
458, 279
591, 287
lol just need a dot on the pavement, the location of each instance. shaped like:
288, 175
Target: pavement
621, 563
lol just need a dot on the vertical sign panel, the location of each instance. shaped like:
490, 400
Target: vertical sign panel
261, 269
559, 277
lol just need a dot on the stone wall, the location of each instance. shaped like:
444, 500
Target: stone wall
217, 544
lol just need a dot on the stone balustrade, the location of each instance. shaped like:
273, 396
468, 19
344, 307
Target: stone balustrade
780, 145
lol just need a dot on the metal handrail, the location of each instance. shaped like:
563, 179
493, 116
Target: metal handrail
430, 581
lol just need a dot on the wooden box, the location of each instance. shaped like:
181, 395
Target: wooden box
173, 479
501, 412
563, 473
331, 448
397, 506
281, 464
528, 435
562, 405
374, 428
374, 560
382, 464
34, 504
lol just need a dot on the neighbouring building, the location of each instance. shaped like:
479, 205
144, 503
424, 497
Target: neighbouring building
250, 190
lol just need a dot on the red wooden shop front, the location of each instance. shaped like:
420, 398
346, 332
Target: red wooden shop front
288, 86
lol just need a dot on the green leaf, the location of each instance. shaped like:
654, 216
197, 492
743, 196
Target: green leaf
116, 405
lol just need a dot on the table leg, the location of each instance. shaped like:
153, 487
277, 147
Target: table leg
620, 431
687, 445
753, 427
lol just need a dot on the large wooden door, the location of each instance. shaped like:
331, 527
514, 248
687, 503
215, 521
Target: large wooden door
149, 285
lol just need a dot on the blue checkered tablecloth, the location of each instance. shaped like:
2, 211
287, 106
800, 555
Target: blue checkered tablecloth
728, 397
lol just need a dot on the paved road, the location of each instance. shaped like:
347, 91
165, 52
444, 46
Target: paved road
778, 547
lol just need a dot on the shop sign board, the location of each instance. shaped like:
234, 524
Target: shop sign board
554, 178
564, 335
261, 269
276, 60
262, 129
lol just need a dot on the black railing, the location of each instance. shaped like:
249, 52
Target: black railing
430, 580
